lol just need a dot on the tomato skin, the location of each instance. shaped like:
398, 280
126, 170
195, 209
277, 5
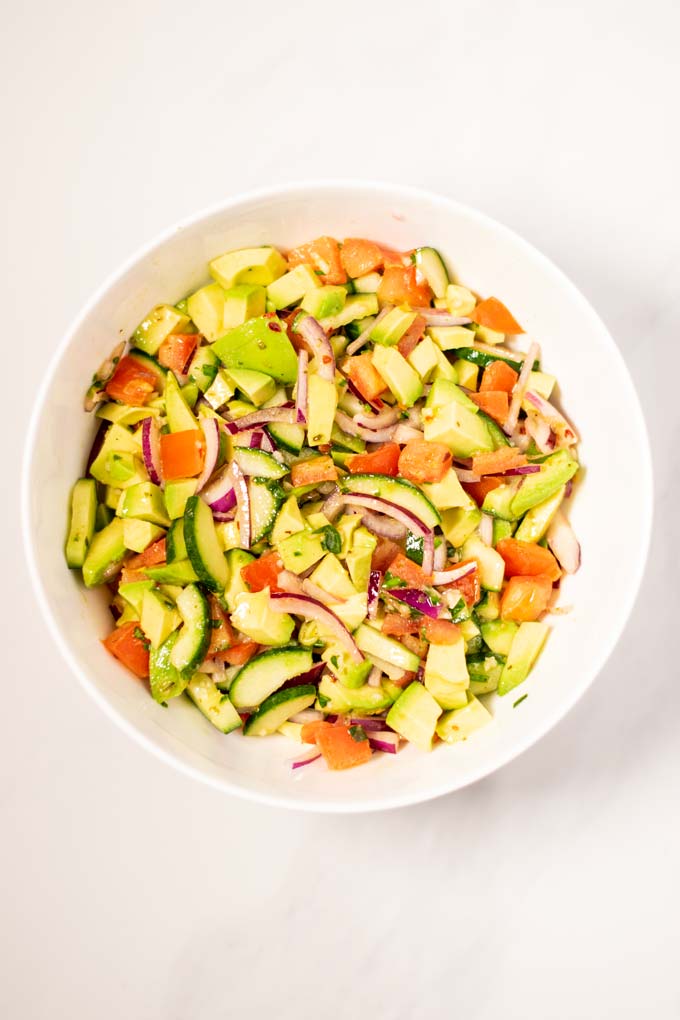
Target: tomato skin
492, 313
524, 599
131, 383
409, 572
422, 461
316, 469
497, 462
133, 651
340, 749
323, 255
222, 634
440, 632
469, 586
478, 490
239, 653
182, 454
359, 256
151, 557
176, 350
525, 559
400, 285
498, 376
495, 403
263, 573
365, 377
384, 461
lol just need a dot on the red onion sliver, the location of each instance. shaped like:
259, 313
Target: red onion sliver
307, 760
526, 469
563, 543
284, 415
557, 422
416, 599
211, 433
374, 582
439, 556
485, 529
312, 676
383, 506
370, 722
454, 574
316, 339
242, 504
428, 552
390, 416
384, 527
466, 476
352, 429
374, 677
364, 337
333, 505
301, 387
405, 433
219, 494
388, 742
519, 389
311, 609
267, 443
151, 449
442, 317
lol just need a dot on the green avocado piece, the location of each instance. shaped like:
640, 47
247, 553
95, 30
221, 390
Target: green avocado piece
256, 386
301, 550
556, 470
178, 572
106, 550
159, 323
159, 618
236, 559
243, 302
261, 345
392, 327
404, 381
292, 286
260, 265
414, 716
164, 680
179, 414
134, 591
524, 650
461, 722
335, 697
324, 301
144, 502
138, 534
444, 391
254, 617
462, 430
177, 492
349, 673
203, 368
206, 308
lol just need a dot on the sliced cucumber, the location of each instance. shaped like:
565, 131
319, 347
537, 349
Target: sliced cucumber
194, 637
395, 490
106, 550
203, 547
374, 643
83, 521
215, 706
431, 265
497, 434
266, 672
483, 358
278, 708
258, 462
175, 546
288, 437
164, 680
266, 497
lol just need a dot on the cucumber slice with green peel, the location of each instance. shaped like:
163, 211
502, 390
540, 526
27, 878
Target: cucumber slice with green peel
203, 546
151, 365
497, 434
373, 642
485, 672
266, 672
194, 637
164, 680
287, 437
259, 462
483, 359
395, 490
83, 521
278, 708
266, 497
431, 265
213, 703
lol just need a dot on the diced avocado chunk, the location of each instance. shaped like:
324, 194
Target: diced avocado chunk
256, 386
463, 431
158, 618
159, 323
349, 673
177, 572
555, 471
206, 308
133, 592
501, 529
448, 338
203, 368
524, 651
448, 493
248, 265
499, 635
446, 674
301, 550
462, 722
242, 302
289, 521
353, 610
467, 373
261, 345
236, 559
253, 616
541, 383
392, 326
334, 697
359, 558
373, 643
488, 335
176, 494
346, 526
292, 286
403, 381
179, 414
322, 397
498, 502
324, 301
220, 390
357, 306
424, 358
459, 523
536, 521
414, 716
228, 535
106, 550
165, 680
137, 535
144, 502
443, 392
333, 578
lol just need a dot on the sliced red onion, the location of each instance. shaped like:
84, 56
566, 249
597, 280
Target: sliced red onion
406, 433
454, 574
211, 434
306, 760
352, 429
312, 676
374, 583
315, 592
539, 430
284, 415
364, 337
466, 476
563, 543
301, 387
428, 552
390, 416
242, 504
317, 340
383, 506
311, 609
384, 527
306, 715
267, 443
220, 495
223, 516
417, 600
387, 742
557, 422
485, 529
569, 488
370, 722
525, 469
376, 404
374, 677
333, 505
442, 317
255, 439
519, 389
439, 556
151, 450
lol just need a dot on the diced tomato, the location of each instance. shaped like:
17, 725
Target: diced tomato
151, 557
222, 633
469, 586
359, 256
340, 749
397, 625
132, 382
383, 554
309, 730
498, 376
493, 314
128, 576
525, 598
182, 454
129, 646
364, 375
495, 403
400, 285
313, 471
415, 644
503, 459
384, 461
421, 461
412, 337
324, 255
176, 349
440, 632
478, 490
527, 559
391, 257
238, 654
263, 573
408, 571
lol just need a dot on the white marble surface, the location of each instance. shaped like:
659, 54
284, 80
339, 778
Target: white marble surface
549, 890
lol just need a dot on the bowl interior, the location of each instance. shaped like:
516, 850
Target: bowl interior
595, 391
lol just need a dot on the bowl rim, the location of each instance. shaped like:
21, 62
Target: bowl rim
450, 783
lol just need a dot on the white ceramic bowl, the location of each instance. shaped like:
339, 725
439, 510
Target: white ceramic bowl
595, 390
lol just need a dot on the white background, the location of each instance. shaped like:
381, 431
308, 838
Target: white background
549, 890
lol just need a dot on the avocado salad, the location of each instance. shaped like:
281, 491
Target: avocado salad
326, 499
